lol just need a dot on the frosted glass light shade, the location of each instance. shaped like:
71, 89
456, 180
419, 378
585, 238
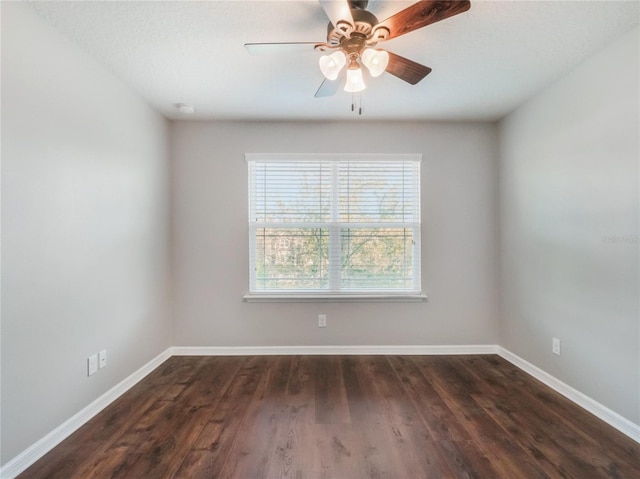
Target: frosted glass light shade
375, 60
354, 81
330, 65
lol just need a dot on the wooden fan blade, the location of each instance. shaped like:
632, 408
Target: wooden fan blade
328, 88
275, 48
406, 69
421, 14
337, 10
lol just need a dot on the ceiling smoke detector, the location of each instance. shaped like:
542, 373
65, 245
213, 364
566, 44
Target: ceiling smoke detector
184, 108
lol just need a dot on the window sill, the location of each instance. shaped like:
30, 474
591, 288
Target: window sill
334, 298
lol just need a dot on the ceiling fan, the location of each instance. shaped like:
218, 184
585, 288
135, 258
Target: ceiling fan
352, 34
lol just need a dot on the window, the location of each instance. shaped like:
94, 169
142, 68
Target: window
334, 225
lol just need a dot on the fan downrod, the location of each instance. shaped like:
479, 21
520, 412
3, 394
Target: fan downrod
358, 4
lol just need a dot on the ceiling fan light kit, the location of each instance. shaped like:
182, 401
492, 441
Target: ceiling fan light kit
354, 83
331, 65
352, 34
375, 60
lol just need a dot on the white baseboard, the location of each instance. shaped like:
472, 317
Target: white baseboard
594, 407
30, 455
407, 350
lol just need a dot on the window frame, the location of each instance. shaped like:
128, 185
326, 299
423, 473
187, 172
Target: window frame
412, 295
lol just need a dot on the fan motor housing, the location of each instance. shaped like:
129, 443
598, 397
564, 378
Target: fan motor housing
363, 20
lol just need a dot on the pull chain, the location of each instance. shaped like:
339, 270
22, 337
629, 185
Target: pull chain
356, 101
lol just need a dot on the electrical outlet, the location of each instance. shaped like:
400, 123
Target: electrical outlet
92, 365
102, 359
555, 346
322, 320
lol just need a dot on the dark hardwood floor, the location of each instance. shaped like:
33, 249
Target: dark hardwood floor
312, 417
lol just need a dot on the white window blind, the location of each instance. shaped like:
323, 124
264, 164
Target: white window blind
335, 224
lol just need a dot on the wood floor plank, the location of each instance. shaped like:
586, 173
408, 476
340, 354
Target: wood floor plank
104, 429
257, 442
581, 420
568, 440
212, 449
331, 401
476, 437
467, 407
295, 441
161, 438
418, 448
435, 411
336, 444
378, 448
462, 455
215, 378
245, 440
352, 417
564, 444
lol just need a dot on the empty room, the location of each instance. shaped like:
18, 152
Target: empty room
313, 239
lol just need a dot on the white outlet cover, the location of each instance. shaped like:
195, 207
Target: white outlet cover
92, 365
102, 359
555, 346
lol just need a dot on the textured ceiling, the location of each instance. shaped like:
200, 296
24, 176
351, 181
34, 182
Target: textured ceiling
485, 62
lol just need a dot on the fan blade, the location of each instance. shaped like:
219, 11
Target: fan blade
328, 88
406, 69
421, 14
269, 48
337, 10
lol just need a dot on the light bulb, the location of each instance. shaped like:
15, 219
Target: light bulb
375, 60
354, 80
330, 65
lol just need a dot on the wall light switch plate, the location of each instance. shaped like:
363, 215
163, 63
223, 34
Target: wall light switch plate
92, 365
102, 359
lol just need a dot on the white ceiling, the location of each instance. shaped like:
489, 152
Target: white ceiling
485, 62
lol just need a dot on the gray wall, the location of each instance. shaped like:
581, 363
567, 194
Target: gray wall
84, 229
569, 228
210, 226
